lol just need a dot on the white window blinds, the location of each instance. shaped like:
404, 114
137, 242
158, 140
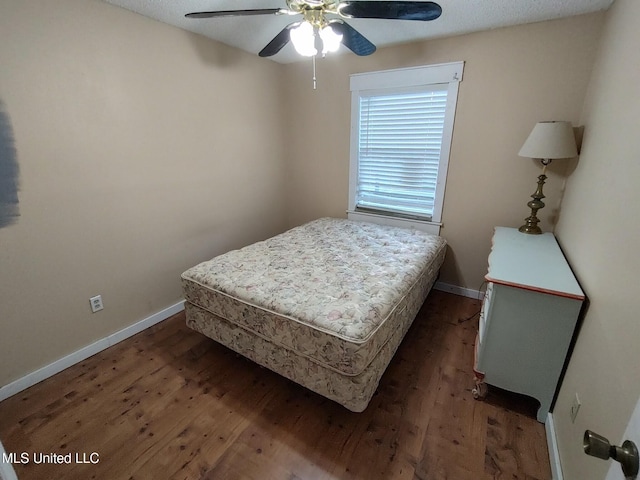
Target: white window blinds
401, 131
399, 148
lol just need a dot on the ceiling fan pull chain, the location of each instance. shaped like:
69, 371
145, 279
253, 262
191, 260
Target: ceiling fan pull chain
315, 84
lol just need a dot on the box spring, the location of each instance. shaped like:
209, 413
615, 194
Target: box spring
326, 304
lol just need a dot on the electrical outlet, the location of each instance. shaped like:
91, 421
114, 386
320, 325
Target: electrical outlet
575, 406
96, 303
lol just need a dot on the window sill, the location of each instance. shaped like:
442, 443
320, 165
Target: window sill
429, 227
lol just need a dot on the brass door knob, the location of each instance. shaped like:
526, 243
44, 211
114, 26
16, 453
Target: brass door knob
598, 446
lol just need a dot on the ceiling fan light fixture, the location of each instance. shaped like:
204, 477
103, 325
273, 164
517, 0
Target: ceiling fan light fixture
332, 32
303, 38
330, 39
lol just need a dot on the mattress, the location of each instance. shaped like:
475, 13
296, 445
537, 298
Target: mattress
331, 293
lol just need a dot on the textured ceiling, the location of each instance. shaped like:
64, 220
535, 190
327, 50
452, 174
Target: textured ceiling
253, 33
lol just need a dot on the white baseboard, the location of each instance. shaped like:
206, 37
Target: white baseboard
6, 469
462, 291
78, 356
552, 446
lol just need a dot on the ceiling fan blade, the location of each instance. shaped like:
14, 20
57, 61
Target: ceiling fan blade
391, 10
236, 13
279, 41
352, 39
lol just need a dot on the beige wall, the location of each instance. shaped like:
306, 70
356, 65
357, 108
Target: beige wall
513, 78
142, 150
600, 232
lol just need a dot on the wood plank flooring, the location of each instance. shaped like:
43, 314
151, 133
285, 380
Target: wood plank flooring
172, 404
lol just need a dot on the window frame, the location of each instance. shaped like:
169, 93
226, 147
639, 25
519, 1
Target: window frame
389, 82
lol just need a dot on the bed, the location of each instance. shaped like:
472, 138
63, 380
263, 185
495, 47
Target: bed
325, 304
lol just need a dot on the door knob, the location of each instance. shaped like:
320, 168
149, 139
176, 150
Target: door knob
598, 446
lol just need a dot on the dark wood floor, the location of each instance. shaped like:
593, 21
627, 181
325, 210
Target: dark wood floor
172, 404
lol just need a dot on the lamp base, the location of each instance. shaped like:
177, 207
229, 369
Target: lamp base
531, 222
530, 228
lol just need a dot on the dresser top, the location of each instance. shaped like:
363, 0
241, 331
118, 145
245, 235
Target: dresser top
534, 262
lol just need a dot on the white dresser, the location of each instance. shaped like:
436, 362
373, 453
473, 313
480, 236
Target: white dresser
528, 316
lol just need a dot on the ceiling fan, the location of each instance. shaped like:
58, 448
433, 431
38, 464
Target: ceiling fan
333, 31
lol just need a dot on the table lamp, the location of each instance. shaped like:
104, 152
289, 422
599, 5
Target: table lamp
548, 141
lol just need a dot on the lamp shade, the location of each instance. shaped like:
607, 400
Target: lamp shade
550, 140
303, 38
330, 39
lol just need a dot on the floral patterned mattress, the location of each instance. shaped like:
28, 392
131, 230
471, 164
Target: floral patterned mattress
327, 290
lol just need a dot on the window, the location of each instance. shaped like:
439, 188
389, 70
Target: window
401, 127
